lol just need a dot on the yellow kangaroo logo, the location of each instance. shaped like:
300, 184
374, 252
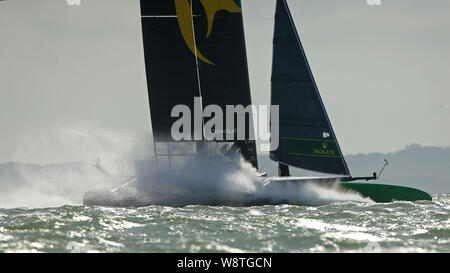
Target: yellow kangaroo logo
185, 21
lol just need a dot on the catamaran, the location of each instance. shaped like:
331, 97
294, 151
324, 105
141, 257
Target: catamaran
196, 49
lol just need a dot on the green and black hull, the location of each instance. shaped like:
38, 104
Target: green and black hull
377, 192
382, 193
127, 195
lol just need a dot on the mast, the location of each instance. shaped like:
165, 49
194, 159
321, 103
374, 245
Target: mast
307, 139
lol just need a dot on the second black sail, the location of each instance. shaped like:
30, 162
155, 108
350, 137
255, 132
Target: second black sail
307, 139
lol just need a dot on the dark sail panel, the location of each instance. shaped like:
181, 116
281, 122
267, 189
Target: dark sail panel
223, 70
170, 66
157, 7
224, 78
307, 139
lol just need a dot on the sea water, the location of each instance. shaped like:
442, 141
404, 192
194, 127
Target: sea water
41, 211
422, 226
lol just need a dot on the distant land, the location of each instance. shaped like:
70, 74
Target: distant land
426, 168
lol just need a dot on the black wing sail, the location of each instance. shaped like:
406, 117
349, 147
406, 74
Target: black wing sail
224, 78
307, 139
195, 48
170, 66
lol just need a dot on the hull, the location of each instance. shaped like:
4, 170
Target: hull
126, 195
382, 193
379, 193
106, 198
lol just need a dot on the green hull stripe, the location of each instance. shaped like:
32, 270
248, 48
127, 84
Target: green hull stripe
381, 193
311, 147
299, 154
238, 2
307, 139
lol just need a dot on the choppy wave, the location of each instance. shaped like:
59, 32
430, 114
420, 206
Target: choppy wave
42, 212
338, 227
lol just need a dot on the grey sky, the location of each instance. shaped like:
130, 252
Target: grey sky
72, 77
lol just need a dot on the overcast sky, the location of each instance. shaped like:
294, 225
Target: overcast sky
72, 77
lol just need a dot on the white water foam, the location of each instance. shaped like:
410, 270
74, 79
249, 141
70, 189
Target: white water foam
202, 182
206, 182
231, 182
32, 185
25, 184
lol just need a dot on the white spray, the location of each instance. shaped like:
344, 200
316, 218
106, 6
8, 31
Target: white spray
221, 182
202, 182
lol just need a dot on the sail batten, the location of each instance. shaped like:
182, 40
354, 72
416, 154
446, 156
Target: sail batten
307, 139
